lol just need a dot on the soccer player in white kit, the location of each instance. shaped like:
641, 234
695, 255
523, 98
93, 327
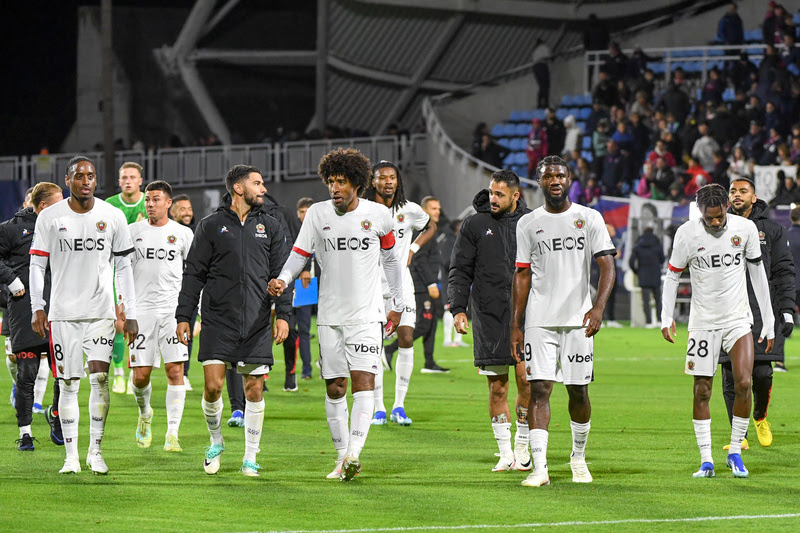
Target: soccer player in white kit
84, 239
387, 189
161, 246
719, 249
555, 246
351, 237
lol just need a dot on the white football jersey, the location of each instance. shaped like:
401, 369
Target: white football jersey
717, 266
559, 249
158, 264
80, 248
348, 250
407, 219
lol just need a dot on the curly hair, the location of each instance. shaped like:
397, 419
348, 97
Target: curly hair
347, 162
712, 195
551, 160
399, 199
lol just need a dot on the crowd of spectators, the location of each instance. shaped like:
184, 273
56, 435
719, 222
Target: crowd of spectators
666, 143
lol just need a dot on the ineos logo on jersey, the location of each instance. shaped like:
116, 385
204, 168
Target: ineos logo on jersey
81, 245
578, 358
560, 244
156, 253
717, 260
365, 348
344, 243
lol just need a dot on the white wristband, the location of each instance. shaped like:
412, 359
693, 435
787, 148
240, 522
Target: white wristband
15, 286
414, 247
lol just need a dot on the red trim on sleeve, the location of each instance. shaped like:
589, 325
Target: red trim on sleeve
387, 241
674, 269
522, 265
301, 251
39, 252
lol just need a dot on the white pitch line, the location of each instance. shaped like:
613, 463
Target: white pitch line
544, 524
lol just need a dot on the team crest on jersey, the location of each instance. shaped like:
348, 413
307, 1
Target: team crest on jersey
133, 358
223, 229
61, 369
172, 239
101, 226
260, 228
528, 370
579, 223
736, 241
366, 224
400, 217
690, 364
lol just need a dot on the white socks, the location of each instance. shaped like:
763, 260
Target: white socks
360, 418
69, 415
25, 430
502, 434
40, 387
738, 431
142, 397
702, 431
213, 413
176, 400
336, 413
580, 434
539, 448
522, 435
12, 369
379, 405
99, 399
404, 367
253, 422
119, 371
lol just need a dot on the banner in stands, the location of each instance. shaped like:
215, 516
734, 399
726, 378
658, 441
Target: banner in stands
767, 182
12, 194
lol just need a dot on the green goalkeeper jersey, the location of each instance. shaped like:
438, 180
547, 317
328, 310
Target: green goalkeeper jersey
133, 212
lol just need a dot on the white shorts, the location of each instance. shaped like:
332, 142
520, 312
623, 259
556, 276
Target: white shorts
493, 370
241, 368
72, 338
409, 315
559, 354
157, 339
343, 349
703, 347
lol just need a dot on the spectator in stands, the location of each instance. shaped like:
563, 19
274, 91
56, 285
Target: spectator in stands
719, 174
542, 55
794, 153
679, 77
660, 150
624, 137
662, 179
696, 177
784, 155
615, 179
537, 146
704, 148
642, 107
722, 125
742, 73
606, 90
599, 111
676, 193
595, 35
713, 88
673, 145
772, 118
575, 192
637, 64
791, 107
647, 83
477, 135
774, 26
738, 166
600, 139
572, 140
490, 152
624, 95
555, 133
788, 192
616, 64
753, 110
675, 101
641, 139
790, 54
770, 155
582, 171
753, 143
730, 29
593, 191
646, 182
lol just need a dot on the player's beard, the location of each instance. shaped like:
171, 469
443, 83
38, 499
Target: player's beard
556, 201
253, 200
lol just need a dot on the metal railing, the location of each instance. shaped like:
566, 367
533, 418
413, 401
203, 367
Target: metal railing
207, 165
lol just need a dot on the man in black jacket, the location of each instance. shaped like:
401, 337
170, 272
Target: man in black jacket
776, 255
16, 235
481, 272
236, 250
646, 261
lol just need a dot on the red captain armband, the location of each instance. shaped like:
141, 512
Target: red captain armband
522, 265
38, 252
301, 251
674, 269
387, 241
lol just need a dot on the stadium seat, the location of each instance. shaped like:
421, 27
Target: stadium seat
567, 100
561, 113
540, 114
585, 113
586, 99
527, 115
498, 130
509, 160
522, 130
756, 35
587, 155
582, 125
505, 142
729, 95
793, 69
586, 144
516, 116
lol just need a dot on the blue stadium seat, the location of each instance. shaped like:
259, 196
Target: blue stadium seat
582, 125
729, 95
561, 113
509, 160
587, 142
498, 130
587, 155
522, 129
505, 142
793, 69
715, 52
756, 35
516, 116
586, 99
527, 115
540, 114
796, 18
567, 100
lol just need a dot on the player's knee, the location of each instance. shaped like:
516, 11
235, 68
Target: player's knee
140, 381
540, 390
741, 386
70, 386
99, 379
578, 395
174, 373
335, 389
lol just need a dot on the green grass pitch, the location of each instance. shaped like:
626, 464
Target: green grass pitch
432, 475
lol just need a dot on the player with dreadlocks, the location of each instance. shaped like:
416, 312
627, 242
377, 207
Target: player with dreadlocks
720, 249
386, 188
